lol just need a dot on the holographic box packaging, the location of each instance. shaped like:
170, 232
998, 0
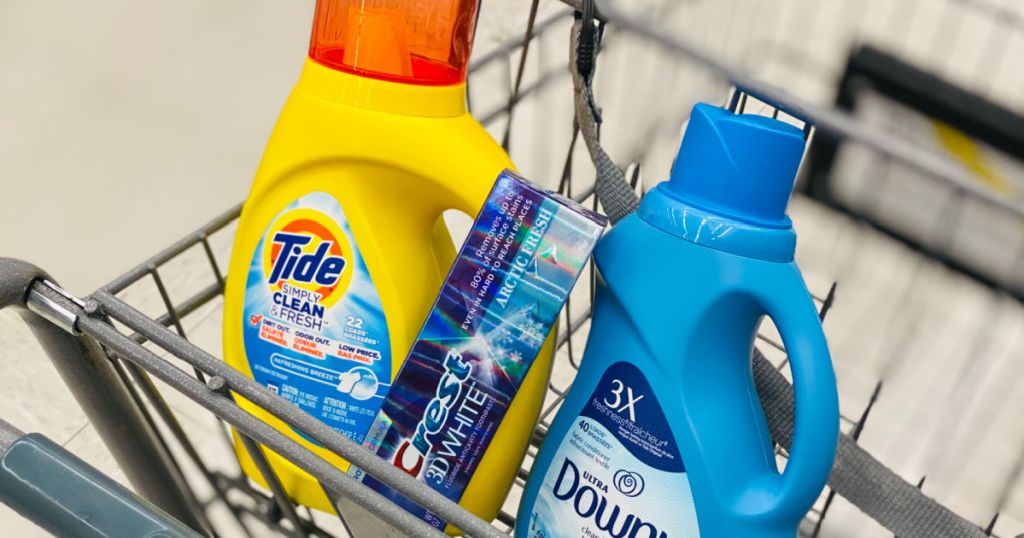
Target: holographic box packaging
500, 300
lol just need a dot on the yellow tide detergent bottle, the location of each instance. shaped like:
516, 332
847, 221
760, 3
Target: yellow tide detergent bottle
341, 248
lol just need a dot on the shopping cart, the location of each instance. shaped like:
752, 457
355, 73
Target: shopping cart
143, 348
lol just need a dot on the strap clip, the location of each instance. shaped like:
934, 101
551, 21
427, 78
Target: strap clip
587, 47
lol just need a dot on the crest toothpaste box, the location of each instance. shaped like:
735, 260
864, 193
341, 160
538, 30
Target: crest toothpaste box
523, 255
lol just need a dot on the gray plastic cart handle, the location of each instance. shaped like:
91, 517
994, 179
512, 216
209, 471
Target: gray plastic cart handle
64, 495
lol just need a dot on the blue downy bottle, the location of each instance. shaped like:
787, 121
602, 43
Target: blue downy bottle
662, 434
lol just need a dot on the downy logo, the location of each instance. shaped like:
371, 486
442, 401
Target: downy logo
586, 493
628, 483
306, 249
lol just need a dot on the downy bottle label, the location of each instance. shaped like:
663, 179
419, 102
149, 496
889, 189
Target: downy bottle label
313, 328
617, 472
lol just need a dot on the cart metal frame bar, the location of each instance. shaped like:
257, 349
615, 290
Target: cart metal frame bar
94, 356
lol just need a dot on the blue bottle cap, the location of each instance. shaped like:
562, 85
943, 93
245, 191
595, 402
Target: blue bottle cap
738, 166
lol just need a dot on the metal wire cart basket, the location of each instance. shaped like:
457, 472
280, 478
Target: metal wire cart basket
918, 265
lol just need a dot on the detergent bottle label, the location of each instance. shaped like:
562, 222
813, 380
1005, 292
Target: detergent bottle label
617, 472
313, 328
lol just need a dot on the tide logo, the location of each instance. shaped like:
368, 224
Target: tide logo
306, 249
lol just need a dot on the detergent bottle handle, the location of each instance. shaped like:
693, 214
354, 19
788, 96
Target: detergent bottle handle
816, 402
470, 191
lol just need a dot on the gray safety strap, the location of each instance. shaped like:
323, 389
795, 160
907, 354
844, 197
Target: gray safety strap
856, 475
614, 193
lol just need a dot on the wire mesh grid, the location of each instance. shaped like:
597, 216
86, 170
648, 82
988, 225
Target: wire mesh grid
180, 287
194, 260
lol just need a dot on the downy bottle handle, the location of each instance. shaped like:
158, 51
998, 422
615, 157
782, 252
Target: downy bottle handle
816, 402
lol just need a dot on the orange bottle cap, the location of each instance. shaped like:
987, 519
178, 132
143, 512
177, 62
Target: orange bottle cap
424, 42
